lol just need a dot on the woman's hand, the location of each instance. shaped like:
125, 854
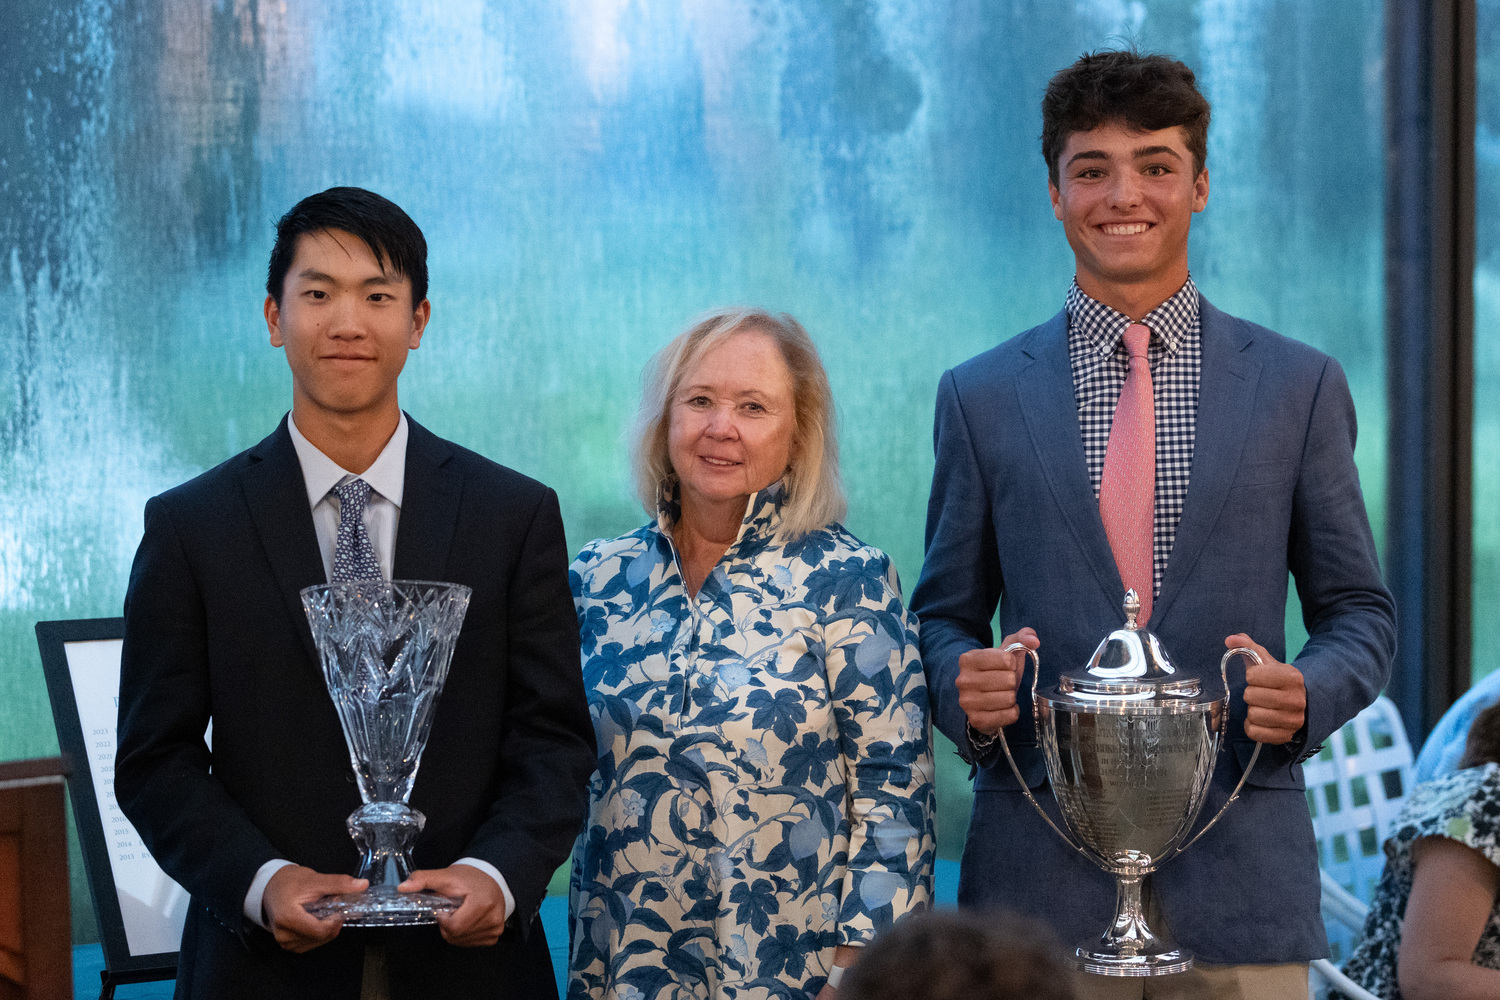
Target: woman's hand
843, 957
1452, 893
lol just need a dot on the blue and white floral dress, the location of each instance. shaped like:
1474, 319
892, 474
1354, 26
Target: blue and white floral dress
1463, 806
765, 781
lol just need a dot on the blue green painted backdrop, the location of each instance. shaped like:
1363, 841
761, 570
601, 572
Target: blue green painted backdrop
591, 174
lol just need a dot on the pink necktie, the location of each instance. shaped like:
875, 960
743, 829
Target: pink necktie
1127, 493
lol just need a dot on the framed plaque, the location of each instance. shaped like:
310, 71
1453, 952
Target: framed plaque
140, 910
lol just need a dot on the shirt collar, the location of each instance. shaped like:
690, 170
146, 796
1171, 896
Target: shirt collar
762, 512
386, 475
1102, 326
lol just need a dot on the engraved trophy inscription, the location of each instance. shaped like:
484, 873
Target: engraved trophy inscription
1130, 744
385, 647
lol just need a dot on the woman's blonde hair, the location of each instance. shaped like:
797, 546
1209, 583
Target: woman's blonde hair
814, 492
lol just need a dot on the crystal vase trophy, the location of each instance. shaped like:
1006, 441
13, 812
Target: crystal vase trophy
1130, 743
385, 647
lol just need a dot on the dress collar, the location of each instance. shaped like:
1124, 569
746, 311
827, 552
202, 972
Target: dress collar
762, 512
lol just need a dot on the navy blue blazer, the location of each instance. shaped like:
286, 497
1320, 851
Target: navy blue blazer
214, 629
1273, 492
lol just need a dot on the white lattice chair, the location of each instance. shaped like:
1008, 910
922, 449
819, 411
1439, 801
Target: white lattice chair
1345, 911
1355, 789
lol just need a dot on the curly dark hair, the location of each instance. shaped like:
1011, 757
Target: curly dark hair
1144, 92
1483, 744
959, 955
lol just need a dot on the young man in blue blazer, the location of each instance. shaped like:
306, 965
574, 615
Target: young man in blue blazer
349, 487
1143, 439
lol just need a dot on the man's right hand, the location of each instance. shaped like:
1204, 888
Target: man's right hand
284, 903
987, 683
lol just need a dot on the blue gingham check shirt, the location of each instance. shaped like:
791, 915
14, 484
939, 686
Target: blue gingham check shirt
1096, 351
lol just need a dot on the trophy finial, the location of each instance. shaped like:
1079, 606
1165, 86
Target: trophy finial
1132, 608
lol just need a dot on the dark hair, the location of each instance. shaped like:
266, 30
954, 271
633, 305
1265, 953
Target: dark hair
1483, 744
1142, 92
390, 234
959, 955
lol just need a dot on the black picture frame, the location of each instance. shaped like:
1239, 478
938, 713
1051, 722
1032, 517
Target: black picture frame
120, 966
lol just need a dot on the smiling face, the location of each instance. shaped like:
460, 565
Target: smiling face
1126, 200
731, 422
346, 324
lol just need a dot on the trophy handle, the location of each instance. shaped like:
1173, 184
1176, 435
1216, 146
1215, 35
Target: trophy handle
1036, 671
1251, 655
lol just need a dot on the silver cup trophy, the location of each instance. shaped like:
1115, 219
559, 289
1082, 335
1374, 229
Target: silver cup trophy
1130, 743
385, 647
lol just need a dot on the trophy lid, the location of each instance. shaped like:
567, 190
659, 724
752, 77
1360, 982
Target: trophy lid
1129, 664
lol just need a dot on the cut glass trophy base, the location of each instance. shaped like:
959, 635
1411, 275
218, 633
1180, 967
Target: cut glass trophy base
383, 906
1159, 963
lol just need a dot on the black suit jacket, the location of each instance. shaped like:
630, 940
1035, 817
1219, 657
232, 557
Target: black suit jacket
214, 630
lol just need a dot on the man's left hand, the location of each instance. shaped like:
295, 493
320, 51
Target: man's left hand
481, 918
1275, 695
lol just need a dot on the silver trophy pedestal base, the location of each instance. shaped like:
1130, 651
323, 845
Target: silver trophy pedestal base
383, 906
1130, 947
1161, 963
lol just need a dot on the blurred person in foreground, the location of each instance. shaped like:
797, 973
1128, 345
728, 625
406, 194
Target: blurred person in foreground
764, 795
348, 487
960, 955
1433, 930
1143, 439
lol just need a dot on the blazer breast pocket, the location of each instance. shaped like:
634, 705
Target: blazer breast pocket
1265, 474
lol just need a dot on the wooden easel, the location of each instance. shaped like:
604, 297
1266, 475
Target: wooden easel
36, 928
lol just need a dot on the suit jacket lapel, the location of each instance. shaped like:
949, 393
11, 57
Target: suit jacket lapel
1044, 391
1226, 403
429, 506
277, 497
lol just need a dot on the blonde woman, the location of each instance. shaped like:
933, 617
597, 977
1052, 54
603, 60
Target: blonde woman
763, 801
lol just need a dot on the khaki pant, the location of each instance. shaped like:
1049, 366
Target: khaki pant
374, 984
1201, 982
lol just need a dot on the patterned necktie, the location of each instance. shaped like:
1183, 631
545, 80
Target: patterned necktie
353, 555
1127, 493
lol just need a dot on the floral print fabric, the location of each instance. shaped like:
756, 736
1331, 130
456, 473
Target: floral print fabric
1464, 806
765, 782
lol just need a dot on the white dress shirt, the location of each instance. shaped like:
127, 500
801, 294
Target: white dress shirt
386, 477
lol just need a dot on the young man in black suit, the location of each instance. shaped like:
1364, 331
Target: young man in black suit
215, 632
